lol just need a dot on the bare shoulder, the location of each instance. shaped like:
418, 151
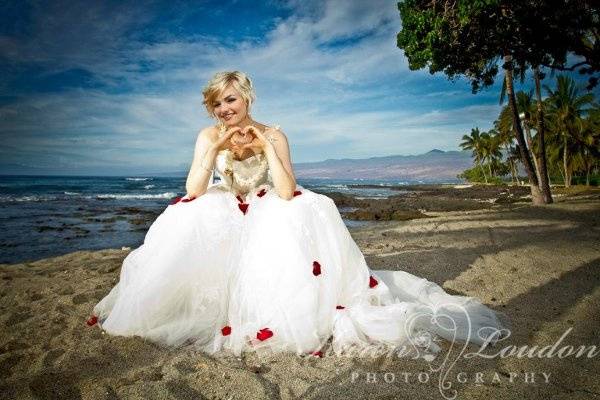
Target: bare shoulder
210, 133
275, 132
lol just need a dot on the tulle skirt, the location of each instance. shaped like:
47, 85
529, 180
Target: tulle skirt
263, 273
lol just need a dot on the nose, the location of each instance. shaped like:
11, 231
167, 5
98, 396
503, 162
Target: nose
224, 110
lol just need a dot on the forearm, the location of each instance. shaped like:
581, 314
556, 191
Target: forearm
200, 174
283, 182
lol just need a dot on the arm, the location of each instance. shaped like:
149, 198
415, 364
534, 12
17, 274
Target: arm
202, 165
278, 156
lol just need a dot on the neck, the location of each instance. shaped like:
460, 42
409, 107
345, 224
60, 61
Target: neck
244, 123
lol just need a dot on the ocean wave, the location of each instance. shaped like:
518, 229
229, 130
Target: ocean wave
336, 185
28, 198
148, 186
138, 179
116, 196
71, 193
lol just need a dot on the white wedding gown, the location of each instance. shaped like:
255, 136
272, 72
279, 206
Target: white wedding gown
259, 272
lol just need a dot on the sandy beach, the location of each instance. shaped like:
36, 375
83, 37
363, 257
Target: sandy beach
538, 265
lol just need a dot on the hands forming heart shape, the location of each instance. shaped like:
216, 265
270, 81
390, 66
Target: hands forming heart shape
241, 138
248, 138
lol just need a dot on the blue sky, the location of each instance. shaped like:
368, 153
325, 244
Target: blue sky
98, 87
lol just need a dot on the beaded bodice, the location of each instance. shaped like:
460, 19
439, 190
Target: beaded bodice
241, 176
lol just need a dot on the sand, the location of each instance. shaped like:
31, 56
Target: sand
539, 265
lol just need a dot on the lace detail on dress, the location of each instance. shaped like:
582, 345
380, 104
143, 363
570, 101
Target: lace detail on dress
242, 176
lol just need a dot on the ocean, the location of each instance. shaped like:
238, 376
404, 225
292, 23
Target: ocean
44, 216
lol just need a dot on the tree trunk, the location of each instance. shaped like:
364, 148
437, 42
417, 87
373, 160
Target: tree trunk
587, 176
530, 145
537, 197
565, 163
562, 173
490, 170
541, 128
482, 171
484, 175
511, 164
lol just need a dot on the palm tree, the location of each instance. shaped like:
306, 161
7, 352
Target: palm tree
513, 157
474, 142
540, 116
587, 148
566, 108
503, 127
490, 148
526, 111
537, 196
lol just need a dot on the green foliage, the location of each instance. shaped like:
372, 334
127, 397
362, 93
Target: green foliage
572, 118
475, 175
468, 37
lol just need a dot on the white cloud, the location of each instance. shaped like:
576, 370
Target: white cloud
330, 75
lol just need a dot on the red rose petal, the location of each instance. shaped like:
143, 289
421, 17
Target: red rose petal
372, 282
188, 199
339, 307
176, 200
261, 193
239, 198
243, 207
92, 320
264, 334
226, 330
297, 193
318, 354
316, 268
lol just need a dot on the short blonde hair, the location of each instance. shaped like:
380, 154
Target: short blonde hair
240, 81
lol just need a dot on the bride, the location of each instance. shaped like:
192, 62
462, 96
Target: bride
258, 261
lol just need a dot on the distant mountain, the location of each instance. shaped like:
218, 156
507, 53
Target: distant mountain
434, 165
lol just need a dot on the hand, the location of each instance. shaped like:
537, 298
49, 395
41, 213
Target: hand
224, 142
259, 142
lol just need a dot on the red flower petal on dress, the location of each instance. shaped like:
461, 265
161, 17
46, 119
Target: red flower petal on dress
297, 193
92, 320
239, 198
339, 307
372, 282
188, 199
226, 330
264, 334
261, 193
176, 200
318, 354
243, 207
316, 268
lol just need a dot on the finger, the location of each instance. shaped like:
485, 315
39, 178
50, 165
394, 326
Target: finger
252, 129
260, 134
233, 130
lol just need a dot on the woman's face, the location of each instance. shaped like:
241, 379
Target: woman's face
230, 107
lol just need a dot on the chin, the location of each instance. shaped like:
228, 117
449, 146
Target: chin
231, 122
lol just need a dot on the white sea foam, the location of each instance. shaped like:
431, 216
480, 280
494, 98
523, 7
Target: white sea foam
138, 179
28, 198
166, 195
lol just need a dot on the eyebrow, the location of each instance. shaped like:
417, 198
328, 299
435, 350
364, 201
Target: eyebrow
231, 95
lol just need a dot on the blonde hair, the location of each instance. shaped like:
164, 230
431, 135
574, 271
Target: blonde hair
240, 81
